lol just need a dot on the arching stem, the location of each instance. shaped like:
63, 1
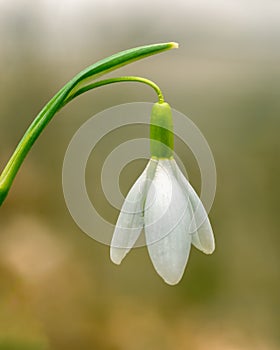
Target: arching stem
72, 89
116, 80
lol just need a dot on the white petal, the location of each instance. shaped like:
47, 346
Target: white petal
131, 221
167, 215
202, 233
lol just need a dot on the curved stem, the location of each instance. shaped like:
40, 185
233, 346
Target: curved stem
65, 95
116, 80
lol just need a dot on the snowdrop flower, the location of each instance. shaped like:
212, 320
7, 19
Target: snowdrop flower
163, 202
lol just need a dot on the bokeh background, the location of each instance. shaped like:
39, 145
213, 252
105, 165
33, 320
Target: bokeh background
58, 288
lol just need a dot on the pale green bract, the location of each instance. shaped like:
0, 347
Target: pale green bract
164, 204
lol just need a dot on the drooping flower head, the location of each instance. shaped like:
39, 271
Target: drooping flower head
164, 204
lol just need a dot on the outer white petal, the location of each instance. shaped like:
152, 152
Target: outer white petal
167, 215
202, 233
131, 221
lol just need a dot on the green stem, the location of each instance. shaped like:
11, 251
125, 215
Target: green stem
116, 80
65, 95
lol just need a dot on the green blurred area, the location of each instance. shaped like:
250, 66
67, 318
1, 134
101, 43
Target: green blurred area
58, 288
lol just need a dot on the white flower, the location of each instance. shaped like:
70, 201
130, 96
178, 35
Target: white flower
163, 202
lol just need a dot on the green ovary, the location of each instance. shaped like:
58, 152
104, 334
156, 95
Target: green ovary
161, 131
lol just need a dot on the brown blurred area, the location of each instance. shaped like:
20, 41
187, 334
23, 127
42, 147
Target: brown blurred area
58, 288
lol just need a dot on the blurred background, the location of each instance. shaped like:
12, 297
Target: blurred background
58, 288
